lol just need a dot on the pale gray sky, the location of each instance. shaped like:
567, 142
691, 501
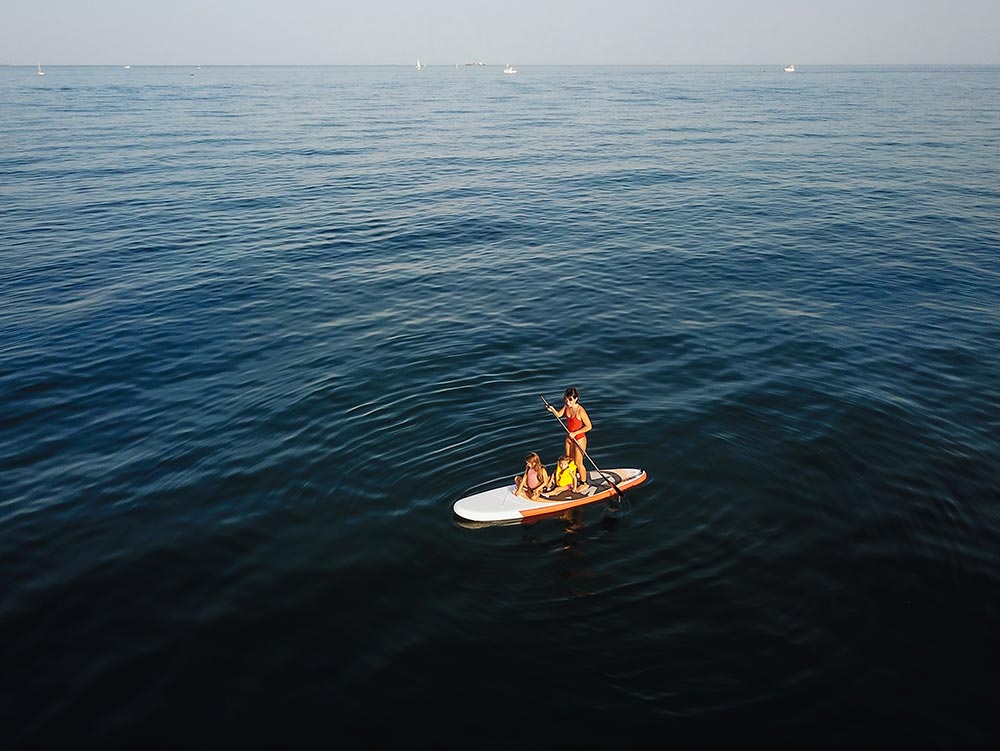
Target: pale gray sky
525, 32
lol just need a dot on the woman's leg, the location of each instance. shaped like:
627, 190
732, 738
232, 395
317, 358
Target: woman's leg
581, 468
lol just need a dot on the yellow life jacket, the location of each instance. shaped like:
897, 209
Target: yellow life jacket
565, 476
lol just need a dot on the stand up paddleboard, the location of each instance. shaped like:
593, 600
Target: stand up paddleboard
501, 505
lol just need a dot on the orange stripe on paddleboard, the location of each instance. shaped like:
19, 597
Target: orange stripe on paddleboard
637, 480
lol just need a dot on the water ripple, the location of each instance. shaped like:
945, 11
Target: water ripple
259, 328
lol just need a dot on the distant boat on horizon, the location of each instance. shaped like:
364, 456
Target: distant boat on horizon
510, 69
419, 66
789, 69
40, 71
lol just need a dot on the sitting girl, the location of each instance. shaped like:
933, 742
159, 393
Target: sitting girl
563, 478
530, 484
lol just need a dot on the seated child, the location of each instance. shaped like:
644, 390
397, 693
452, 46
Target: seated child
530, 484
563, 478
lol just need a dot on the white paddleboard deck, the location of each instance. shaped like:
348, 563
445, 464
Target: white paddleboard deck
500, 504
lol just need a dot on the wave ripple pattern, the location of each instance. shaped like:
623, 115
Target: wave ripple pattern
261, 327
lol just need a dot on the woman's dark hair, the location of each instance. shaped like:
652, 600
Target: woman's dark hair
571, 393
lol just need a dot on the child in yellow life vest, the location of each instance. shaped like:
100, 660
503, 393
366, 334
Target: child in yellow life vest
563, 477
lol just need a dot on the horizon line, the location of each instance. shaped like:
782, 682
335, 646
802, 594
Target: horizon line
486, 65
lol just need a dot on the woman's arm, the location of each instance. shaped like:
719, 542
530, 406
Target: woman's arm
582, 414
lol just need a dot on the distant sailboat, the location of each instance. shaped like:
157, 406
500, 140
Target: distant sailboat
510, 69
40, 71
789, 69
419, 66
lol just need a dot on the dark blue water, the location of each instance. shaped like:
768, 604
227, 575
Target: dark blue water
261, 327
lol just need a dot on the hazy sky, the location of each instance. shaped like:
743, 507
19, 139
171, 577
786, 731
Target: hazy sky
524, 32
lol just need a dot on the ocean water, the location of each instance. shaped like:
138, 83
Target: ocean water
261, 327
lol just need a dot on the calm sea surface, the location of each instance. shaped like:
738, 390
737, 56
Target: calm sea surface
261, 327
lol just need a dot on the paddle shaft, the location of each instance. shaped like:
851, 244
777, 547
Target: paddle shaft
573, 438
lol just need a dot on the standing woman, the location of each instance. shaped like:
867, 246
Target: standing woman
578, 425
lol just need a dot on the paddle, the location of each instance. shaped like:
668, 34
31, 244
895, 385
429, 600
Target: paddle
599, 470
